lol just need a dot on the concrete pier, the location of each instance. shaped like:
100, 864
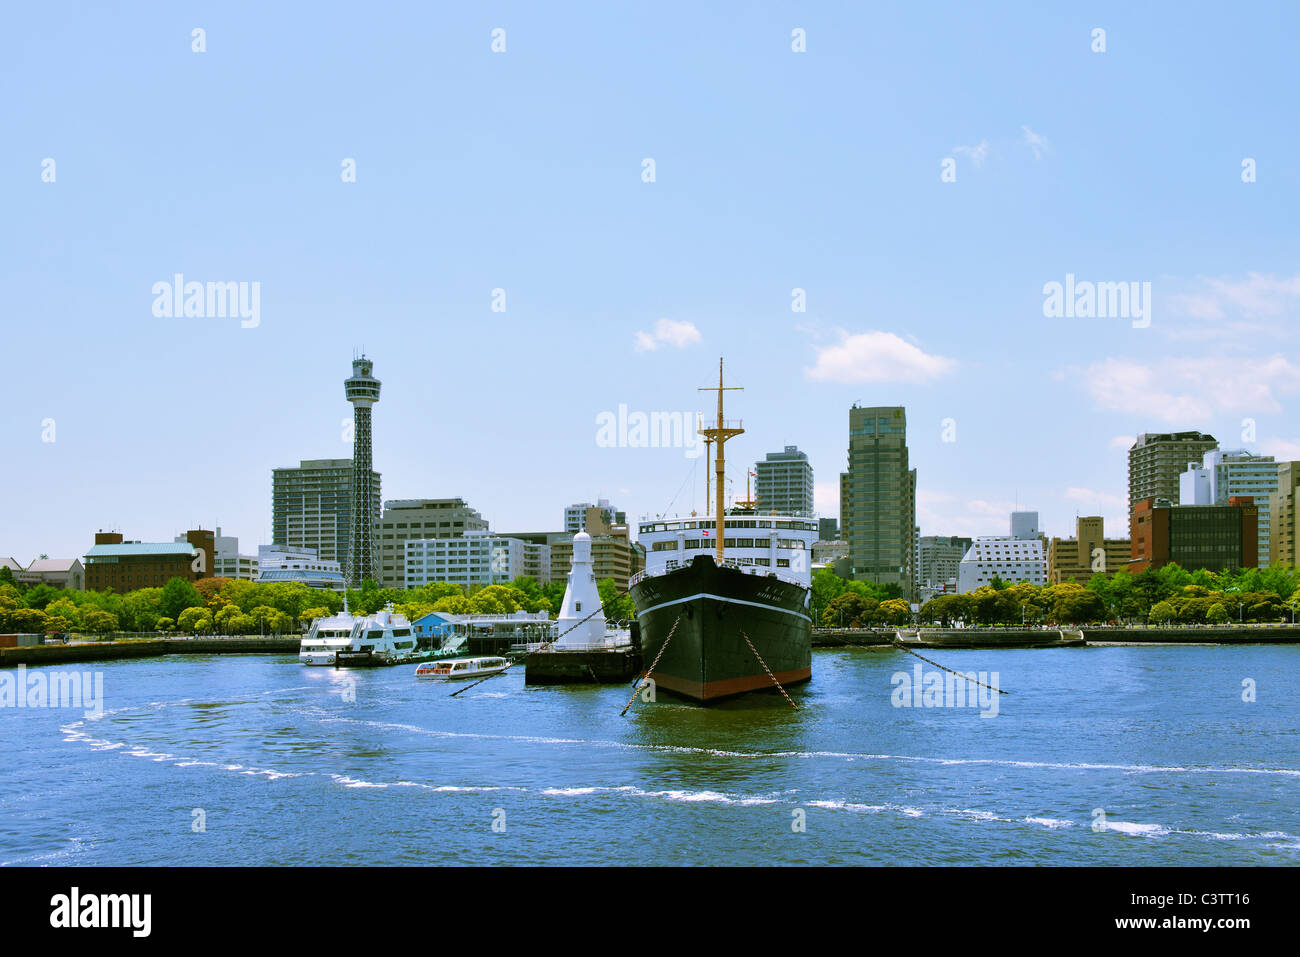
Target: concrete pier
582, 667
148, 648
1070, 636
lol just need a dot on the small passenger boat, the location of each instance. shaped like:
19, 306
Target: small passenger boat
458, 668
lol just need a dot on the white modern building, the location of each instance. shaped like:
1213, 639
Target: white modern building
1014, 558
475, 558
278, 563
226, 560
1228, 473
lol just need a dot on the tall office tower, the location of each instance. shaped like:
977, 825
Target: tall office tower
878, 498
784, 483
362, 390
1284, 544
1156, 460
1225, 474
311, 507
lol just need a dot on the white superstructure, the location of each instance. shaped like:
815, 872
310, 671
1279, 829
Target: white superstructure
321, 644
382, 639
779, 545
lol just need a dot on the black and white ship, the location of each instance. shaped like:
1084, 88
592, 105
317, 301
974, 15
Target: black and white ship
725, 611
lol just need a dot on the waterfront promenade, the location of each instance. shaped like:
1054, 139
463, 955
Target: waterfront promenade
149, 648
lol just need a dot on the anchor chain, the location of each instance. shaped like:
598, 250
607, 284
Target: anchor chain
898, 643
637, 686
768, 670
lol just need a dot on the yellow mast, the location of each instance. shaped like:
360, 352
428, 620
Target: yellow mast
719, 434
708, 446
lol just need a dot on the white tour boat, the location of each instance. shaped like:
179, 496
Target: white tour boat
325, 638
377, 640
455, 669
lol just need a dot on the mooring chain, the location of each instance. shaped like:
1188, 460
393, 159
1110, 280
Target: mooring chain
637, 686
899, 644
557, 638
768, 670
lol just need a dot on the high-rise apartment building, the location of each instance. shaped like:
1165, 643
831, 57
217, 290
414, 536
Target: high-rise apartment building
419, 519
784, 483
878, 498
311, 507
1156, 461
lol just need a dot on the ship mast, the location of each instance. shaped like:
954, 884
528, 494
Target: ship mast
708, 449
719, 434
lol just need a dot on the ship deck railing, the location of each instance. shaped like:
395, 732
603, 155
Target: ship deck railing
749, 568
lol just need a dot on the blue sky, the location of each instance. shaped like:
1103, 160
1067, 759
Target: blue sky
522, 170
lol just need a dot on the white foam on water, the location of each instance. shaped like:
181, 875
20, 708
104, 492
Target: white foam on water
1051, 822
976, 815
139, 752
1131, 828
349, 782
838, 755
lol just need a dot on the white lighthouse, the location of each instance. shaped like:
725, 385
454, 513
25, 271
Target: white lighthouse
581, 598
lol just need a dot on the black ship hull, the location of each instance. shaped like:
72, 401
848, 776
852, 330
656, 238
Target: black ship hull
709, 611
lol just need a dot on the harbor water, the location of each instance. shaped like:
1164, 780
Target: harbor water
1111, 755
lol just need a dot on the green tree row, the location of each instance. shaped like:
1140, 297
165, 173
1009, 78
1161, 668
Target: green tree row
234, 606
1168, 594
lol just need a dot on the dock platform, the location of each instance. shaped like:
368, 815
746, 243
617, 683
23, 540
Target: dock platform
582, 667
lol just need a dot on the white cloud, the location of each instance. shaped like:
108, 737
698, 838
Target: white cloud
1123, 442
672, 332
1087, 496
1235, 310
1256, 295
1187, 390
1284, 450
876, 357
1035, 142
976, 153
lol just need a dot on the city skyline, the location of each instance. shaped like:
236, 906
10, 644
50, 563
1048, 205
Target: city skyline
917, 292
